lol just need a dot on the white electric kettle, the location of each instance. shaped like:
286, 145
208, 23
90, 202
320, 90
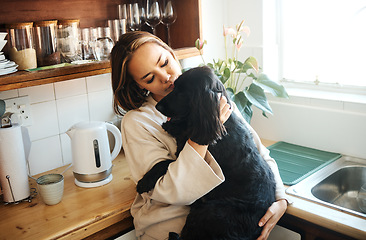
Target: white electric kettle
91, 155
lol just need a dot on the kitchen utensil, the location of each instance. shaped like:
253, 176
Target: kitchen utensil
91, 155
14, 150
51, 188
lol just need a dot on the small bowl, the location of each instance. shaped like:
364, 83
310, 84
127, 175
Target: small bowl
2, 44
3, 35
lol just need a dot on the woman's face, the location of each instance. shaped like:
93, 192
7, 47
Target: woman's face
154, 69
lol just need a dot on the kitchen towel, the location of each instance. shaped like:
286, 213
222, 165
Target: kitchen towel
13, 167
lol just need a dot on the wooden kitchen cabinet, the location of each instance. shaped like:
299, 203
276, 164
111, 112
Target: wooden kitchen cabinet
92, 13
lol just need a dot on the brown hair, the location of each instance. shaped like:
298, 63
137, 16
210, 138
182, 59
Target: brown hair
127, 94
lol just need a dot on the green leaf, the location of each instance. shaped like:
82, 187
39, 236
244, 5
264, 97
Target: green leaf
253, 76
274, 88
231, 94
255, 94
226, 74
211, 65
243, 105
2, 107
252, 61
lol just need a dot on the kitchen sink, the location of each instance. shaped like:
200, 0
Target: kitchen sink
336, 185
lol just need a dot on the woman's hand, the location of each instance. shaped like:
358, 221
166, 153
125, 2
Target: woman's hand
225, 109
272, 216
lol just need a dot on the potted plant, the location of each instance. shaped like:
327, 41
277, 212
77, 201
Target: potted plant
244, 81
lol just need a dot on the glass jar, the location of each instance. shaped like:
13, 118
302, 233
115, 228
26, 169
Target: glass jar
45, 42
68, 42
22, 50
87, 45
104, 44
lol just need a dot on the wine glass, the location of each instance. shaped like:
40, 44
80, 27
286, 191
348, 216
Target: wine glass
153, 14
122, 11
142, 8
169, 16
133, 16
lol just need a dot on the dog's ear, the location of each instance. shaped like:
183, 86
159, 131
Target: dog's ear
204, 122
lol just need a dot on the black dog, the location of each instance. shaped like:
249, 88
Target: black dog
233, 209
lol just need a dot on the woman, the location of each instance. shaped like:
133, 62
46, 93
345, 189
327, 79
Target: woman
144, 69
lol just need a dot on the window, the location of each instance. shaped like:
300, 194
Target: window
322, 41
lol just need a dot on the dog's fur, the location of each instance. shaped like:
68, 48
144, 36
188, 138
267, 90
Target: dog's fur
233, 209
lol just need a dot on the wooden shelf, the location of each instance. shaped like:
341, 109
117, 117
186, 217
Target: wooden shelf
23, 79
91, 13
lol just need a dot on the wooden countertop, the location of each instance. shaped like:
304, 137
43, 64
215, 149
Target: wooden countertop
83, 212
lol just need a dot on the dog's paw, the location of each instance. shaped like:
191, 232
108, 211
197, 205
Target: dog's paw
148, 181
144, 185
173, 236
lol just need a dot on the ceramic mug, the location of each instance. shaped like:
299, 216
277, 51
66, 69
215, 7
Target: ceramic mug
51, 188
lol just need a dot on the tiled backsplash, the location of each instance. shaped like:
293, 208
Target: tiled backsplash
55, 108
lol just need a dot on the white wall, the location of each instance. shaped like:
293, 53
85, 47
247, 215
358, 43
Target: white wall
313, 121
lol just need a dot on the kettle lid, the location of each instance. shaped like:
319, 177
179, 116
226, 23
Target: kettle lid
88, 124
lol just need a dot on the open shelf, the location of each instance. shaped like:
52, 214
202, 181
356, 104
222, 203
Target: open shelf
91, 13
23, 79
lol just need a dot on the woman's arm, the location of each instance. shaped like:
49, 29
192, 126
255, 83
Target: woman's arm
145, 143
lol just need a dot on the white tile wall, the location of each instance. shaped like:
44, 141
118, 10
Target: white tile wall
9, 94
72, 110
39, 93
330, 125
45, 155
45, 121
97, 105
55, 108
70, 88
99, 82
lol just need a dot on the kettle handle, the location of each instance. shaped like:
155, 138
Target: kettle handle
118, 140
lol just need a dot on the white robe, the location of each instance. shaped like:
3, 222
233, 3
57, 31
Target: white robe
190, 177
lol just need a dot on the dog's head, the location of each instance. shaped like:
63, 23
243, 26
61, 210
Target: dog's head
195, 101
